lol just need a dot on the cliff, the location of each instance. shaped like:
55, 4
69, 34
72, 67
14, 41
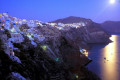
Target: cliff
72, 19
90, 32
32, 50
39, 63
111, 26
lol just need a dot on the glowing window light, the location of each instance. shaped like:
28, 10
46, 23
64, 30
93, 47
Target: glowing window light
77, 26
3, 24
32, 34
57, 59
83, 51
1, 28
29, 36
13, 30
13, 54
83, 24
16, 22
24, 19
76, 76
44, 47
86, 54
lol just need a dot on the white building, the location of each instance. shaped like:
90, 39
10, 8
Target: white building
41, 38
60, 28
7, 24
30, 37
3, 38
15, 20
13, 30
5, 14
16, 37
24, 21
61, 24
31, 23
8, 48
39, 24
16, 26
2, 19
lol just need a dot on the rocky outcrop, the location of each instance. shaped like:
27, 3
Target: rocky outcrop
62, 47
36, 64
91, 32
40, 69
71, 19
57, 56
111, 26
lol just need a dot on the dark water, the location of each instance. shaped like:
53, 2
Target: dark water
106, 59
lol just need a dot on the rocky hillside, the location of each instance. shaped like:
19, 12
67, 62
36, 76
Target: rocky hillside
43, 62
111, 26
33, 50
90, 32
72, 19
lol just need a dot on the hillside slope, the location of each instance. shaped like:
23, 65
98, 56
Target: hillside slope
111, 26
90, 32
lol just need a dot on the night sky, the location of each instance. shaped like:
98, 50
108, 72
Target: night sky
49, 10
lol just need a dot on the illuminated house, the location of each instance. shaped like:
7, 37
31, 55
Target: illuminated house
60, 28
16, 38
39, 23
15, 20
1, 27
2, 19
24, 30
61, 24
8, 48
24, 21
7, 24
83, 51
40, 37
16, 26
5, 14
13, 30
20, 22
30, 36
31, 23
3, 38
52, 24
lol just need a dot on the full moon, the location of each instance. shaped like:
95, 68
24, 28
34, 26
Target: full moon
112, 1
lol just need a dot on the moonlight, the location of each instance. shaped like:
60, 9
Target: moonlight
112, 1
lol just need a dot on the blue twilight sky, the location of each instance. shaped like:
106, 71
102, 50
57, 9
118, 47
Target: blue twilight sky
49, 10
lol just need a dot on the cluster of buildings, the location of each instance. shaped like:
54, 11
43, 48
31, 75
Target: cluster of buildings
84, 52
13, 26
22, 27
62, 26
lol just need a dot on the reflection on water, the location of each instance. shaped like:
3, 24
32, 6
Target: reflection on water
106, 59
109, 65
